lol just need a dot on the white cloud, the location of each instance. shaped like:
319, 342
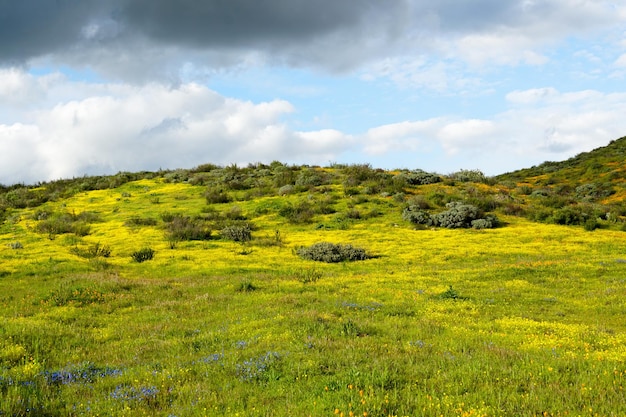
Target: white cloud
120, 127
500, 48
621, 61
136, 128
531, 96
403, 136
467, 135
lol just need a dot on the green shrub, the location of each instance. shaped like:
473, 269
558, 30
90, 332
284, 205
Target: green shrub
237, 233
419, 177
357, 174
185, 228
235, 213
310, 178
245, 286
142, 255
331, 252
216, 196
458, 215
593, 191
78, 295
15, 245
416, 215
140, 221
468, 175
286, 189
567, 216
94, 251
489, 222
451, 294
419, 202
307, 276
60, 223
591, 224
300, 213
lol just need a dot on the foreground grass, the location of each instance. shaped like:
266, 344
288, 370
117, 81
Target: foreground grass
522, 320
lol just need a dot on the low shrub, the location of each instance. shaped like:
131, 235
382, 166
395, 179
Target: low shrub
489, 222
237, 233
307, 276
331, 252
310, 178
286, 189
591, 224
245, 286
468, 175
140, 221
185, 228
458, 215
61, 223
300, 213
420, 177
217, 196
416, 215
96, 250
143, 254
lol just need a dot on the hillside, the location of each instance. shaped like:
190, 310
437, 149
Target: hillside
294, 290
605, 163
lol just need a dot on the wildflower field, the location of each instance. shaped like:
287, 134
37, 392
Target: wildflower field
167, 298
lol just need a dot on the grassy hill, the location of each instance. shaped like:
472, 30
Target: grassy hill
295, 290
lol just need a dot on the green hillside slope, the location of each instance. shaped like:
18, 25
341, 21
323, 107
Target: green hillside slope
282, 290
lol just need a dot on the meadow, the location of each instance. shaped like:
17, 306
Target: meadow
109, 309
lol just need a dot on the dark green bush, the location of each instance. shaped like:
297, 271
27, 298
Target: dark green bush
458, 215
216, 196
185, 228
591, 224
468, 175
567, 216
286, 189
237, 233
140, 221
419, 177
357, 174
594, 191
489, 222
310, 178
94, 251
300, 213
15, 245
416, 215
60, 223
142, 255
331, 252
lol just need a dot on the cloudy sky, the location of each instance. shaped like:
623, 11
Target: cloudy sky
95, 87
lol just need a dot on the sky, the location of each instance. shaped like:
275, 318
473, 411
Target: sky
92, 87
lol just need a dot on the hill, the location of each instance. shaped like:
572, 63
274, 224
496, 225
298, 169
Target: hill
299, 290
605, 163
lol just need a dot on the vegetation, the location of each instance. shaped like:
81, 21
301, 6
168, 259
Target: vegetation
332, 252
142, 294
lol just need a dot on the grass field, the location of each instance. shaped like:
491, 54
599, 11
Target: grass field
526, 319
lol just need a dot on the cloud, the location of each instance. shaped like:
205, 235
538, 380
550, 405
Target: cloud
111, 127
129, 128
540, 124
135, 40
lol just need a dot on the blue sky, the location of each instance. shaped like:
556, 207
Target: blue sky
91, 87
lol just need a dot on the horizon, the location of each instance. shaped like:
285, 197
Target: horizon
127, 86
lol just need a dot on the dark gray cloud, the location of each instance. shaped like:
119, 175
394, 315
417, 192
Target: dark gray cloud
246, 23
30, 28
127, 37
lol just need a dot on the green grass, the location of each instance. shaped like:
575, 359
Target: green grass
521, 320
